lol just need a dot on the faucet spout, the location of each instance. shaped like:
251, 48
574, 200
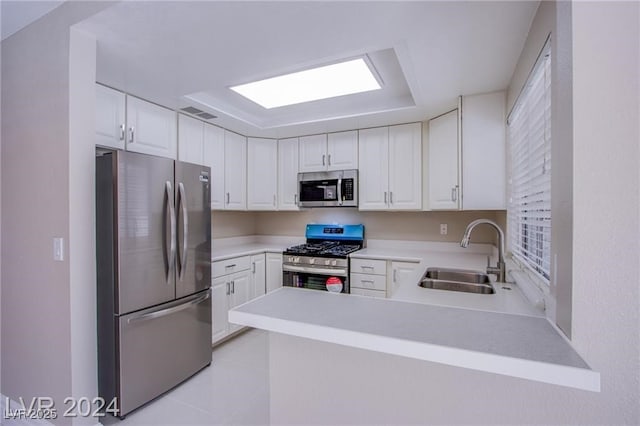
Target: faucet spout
499, 270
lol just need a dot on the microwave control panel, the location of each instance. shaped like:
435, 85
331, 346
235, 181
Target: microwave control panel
348, 190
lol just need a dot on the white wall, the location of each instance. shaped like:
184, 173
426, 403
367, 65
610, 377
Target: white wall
47, 305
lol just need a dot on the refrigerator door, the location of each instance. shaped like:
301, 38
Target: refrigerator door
145, 223
193, 213
161, 347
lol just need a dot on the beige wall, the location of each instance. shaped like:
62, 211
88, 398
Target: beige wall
412, 226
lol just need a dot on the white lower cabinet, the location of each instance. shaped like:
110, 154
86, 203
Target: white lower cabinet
400, 273
274, 271
231, 286
368, 277
258, 275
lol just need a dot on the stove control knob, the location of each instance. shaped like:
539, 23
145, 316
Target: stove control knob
312, 261
327, 262
296, 260
334, 262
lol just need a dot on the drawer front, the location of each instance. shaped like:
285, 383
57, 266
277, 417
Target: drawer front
371, 293
368, 266
369, 281
229, 266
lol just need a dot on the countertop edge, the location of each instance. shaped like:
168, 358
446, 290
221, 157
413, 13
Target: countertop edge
573, 377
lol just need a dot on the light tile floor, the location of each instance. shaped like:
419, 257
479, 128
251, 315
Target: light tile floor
233, 390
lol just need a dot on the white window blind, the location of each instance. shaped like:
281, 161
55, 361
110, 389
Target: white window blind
529, 135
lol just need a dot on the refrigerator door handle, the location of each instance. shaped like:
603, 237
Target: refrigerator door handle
169, 311
172, 237
185, 229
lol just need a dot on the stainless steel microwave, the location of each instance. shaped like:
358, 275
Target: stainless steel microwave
328, 189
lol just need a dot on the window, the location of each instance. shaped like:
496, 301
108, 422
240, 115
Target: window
529, 136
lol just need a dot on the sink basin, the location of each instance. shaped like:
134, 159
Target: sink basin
457, 280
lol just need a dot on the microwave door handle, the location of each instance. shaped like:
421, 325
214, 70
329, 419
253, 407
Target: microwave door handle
339, 191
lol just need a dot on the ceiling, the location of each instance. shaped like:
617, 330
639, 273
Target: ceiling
18, 14
166, 51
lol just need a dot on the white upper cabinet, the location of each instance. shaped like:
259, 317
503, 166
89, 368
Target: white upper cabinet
313, 153
342, 150
373, 174
484, 149
288, 174
190, 140
110, 117
390, 168
335, 151
443, 162
405, 167
235, 171
262, 174
151, 129
213, 156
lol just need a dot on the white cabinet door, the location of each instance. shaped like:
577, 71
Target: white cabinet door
373, 174
240, 292
262, 174
190, 140
213, 156
484, 152
235, 171
151, 129
258, 275
274, 271
401, 273
342, 150
443, 166
313, 153
405, 167
110, 117
288, 174
220, 292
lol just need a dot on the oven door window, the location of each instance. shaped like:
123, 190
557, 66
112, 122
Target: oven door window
313, 281
319, 190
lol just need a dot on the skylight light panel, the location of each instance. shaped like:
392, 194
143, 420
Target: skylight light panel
344, 78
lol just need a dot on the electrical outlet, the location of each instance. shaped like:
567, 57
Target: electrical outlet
443, 229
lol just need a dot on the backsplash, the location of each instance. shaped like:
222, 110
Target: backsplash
411, 226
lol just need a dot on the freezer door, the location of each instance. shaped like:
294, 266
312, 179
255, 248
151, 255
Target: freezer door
193, 212
145, 224
161, 347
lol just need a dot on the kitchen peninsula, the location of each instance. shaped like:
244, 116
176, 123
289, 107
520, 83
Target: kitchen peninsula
378, 354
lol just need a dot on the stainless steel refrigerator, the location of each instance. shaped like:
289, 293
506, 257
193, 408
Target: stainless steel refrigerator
153, 223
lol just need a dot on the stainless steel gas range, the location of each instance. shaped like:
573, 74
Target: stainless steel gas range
322, 263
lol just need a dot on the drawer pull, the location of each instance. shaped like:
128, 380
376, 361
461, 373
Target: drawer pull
233, 265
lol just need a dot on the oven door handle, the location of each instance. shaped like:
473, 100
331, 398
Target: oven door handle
321, 271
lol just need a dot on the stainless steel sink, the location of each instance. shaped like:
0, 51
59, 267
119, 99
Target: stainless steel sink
457, 280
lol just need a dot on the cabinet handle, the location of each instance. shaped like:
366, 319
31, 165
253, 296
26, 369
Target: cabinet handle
253, 267
385, 197
295, 199
233, 265
390, 197
233, 287
228, 198
228, 289
394, 275
367, 281
122, 132
274, 200
329, 159
131, 133
323, 159
454, 193
367, 267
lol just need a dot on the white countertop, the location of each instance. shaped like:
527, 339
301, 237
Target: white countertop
507, 298
522, 346
227, 248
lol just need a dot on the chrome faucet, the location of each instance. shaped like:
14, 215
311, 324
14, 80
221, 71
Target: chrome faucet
499, 269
